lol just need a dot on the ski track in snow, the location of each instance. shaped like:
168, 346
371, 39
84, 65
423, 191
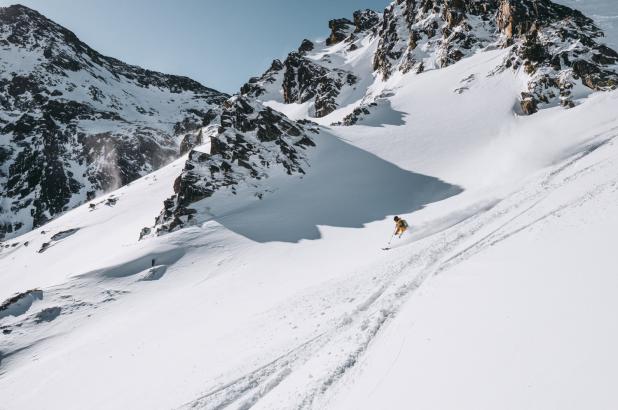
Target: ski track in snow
394, 287
444, 244
329, 324
435, 248
367, 298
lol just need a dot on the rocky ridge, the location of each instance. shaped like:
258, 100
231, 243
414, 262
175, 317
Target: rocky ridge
75, 124
559, 48
251, 142
302, 78
63, 155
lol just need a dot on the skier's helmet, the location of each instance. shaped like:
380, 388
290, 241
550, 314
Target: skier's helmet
396, 218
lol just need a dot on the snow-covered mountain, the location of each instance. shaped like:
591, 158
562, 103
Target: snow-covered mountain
556, 51
249, 143
75, 124
558, 47
317, 79
250, 271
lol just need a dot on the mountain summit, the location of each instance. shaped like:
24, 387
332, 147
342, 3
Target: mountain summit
350, 77
558, 48
78, 124
75, 124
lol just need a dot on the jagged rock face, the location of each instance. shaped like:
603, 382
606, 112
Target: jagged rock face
74, 123
365, 20
251, 142
271, 79
340, 30
429, 34
302, 78
556, 45
299, 79
305, 46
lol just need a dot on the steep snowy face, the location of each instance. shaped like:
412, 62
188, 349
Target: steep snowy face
251, 144
75, 124
556, 46
559, 51
310, 75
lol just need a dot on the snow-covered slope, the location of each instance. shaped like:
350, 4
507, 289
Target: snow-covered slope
520, 313
277, 294
75, 124
558, 51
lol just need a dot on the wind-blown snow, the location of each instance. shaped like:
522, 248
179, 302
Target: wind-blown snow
520, 317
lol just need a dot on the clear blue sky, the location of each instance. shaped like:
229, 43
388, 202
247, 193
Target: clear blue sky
220, 43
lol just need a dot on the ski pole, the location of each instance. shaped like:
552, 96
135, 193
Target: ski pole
391, 240
389, 243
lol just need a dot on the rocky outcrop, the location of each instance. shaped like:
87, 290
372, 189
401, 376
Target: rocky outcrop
428, 34
19, 303
340, 29
557, 46
270, 80
303, 78
365, 20
251, 142
356, 115
343, 29
300, 79
305, 46
74, 123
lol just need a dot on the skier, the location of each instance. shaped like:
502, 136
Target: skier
401, 226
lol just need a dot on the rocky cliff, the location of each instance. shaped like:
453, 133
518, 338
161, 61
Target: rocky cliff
74, 123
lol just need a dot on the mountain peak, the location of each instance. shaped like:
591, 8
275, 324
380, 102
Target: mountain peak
26, 17
78, 123
24, 27
556, 45
15, 10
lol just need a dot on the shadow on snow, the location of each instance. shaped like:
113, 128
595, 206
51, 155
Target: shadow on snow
383, 114
345, 187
